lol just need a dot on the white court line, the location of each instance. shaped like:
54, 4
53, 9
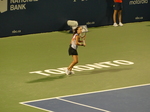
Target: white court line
36, 107
24, 103
83, 105
109, 90
87, 93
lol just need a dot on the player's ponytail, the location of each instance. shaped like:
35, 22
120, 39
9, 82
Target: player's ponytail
75, 30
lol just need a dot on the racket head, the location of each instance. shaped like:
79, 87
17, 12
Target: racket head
84, 31
83, 34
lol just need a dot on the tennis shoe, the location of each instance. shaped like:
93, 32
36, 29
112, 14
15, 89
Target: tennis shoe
67, 71
115, 24
72, 72
120, 24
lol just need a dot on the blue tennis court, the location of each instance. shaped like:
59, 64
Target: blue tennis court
126, 99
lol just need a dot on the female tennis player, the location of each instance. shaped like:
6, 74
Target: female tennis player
117, 10
75, 42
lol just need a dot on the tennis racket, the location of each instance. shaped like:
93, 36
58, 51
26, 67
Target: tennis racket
84, 31
82, 34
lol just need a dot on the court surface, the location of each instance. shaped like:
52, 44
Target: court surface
111, 74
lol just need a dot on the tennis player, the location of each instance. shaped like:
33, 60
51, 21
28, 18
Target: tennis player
117, 11
73, 49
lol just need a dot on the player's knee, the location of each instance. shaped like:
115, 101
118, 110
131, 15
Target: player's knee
76, 61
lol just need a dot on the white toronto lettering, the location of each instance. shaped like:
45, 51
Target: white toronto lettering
39, 72
63, 68
109, 63
123, 62
82, 67
101, 64
54, 71
76, 68
93, 66
79, 68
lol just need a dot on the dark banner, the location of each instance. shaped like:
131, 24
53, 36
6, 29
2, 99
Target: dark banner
136, 10
19, 17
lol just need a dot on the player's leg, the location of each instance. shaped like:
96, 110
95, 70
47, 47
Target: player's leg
74, 62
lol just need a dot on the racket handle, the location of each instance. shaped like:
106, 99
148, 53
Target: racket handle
83, 41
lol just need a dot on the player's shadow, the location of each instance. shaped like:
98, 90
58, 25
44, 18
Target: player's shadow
49, 78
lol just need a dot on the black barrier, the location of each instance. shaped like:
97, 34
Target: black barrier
19, 17
136, 10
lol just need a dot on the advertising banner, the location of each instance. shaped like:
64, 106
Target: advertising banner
136, 10
19, 17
